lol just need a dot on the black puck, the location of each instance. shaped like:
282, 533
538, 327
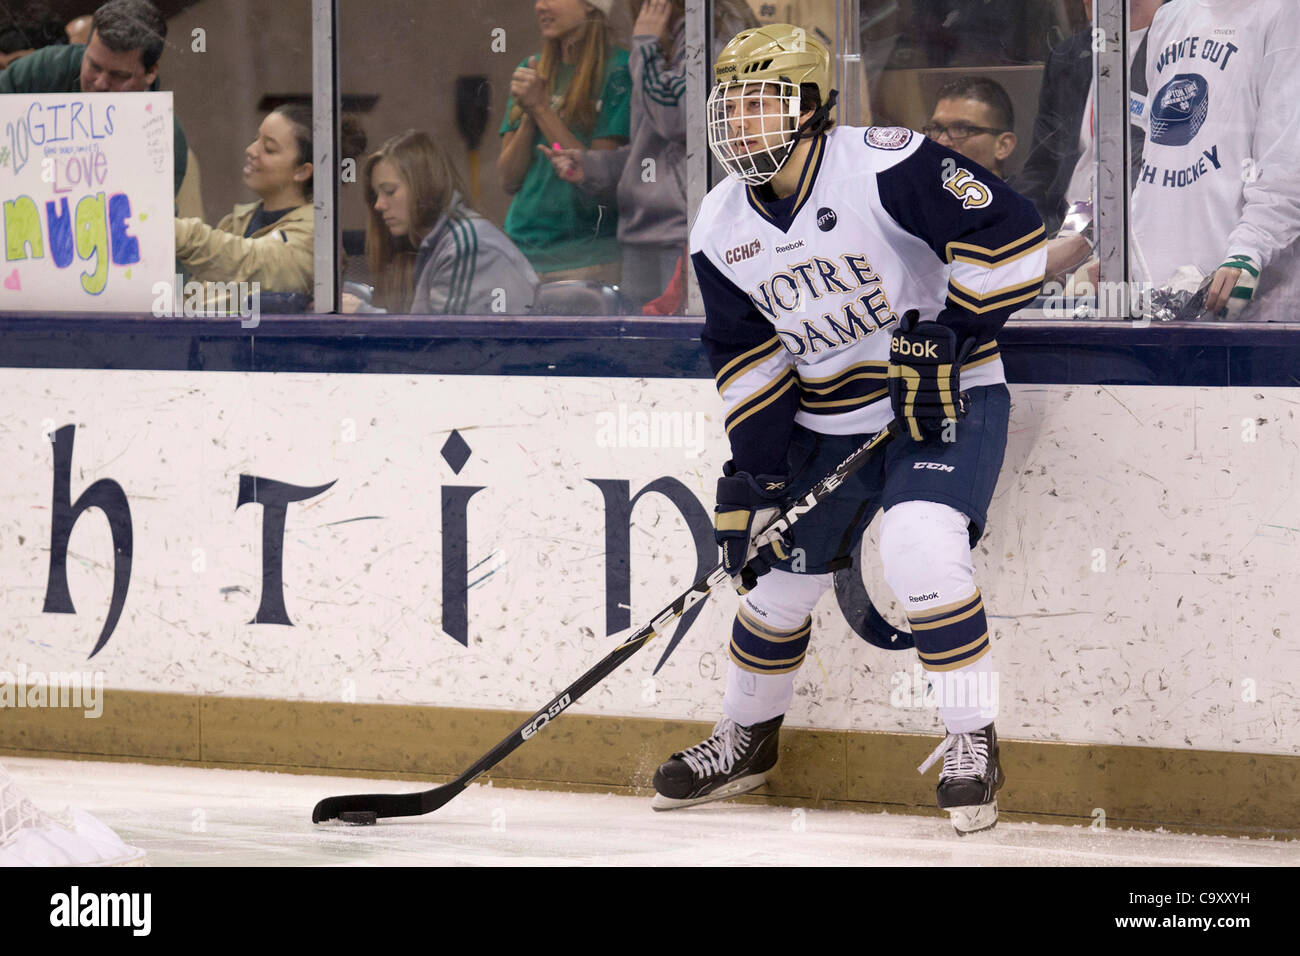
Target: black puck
359, 818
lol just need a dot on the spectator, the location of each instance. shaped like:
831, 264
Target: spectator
429, 252
648, 175
975, 33
1076, 148
973, 116
652, 216
26, 30
1055, 147
122, 56
268, 241
1218, 187
576, 93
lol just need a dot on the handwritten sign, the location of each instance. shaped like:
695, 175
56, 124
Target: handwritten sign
86, 186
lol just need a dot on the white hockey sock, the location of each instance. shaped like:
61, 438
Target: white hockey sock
967, 697
753, 698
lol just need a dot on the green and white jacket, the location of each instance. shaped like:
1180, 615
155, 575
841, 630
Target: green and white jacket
467, 266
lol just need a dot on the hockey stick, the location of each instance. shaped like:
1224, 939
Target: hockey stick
367, 808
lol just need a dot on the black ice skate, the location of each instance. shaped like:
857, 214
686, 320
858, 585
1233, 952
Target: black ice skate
733, 761
970, 779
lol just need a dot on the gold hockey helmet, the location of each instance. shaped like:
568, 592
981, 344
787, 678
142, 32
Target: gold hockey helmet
753, 109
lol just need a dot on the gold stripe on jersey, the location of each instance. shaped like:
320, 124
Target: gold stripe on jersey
984, 256
765, 396
827, 383
845, 404
761, 353
809, 177
740, 374
825, 395
979, 303
842, 391
878, 375
757, 204
988, 352
966, 366
812, 166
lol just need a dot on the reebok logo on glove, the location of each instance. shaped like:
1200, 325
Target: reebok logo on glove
900, 346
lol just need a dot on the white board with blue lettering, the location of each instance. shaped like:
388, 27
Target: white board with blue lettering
86, 184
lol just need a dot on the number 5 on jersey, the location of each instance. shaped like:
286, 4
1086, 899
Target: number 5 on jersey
972, 193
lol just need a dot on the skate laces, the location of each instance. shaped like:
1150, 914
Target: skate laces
964, 755
717, 754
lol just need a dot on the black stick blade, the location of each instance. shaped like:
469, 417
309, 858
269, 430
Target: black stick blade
431, 800
380, 804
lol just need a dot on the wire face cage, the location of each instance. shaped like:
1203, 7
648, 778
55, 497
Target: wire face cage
752, 127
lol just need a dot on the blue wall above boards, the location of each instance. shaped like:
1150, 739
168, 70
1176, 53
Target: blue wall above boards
1049, 353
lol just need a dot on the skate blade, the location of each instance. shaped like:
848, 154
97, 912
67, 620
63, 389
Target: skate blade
732, 789
966, 820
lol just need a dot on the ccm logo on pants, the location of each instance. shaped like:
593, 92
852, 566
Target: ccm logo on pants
932, 466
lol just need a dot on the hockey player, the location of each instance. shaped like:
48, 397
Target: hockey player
813, 260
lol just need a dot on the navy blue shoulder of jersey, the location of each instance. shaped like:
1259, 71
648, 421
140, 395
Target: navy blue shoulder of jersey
753, 372
992, 235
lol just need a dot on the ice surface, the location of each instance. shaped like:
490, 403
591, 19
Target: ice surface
186, 816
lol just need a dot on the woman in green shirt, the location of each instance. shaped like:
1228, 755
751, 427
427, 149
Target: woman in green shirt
576, 93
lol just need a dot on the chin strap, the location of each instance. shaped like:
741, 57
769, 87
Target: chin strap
818, 118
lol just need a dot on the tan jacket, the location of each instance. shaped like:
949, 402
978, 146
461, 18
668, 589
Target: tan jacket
279, 256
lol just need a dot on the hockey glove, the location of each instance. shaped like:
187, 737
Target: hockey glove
925, 374
746, 505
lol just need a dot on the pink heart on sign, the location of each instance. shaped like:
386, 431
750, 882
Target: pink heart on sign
148, 108
12, 282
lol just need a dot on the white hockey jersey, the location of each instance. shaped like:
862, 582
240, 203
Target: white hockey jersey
1219, 174
798, 292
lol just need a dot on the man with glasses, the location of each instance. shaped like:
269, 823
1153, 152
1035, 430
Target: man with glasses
973, 116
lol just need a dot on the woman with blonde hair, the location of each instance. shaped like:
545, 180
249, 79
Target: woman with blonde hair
428, 252
652, 224
651, 210
575, 93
